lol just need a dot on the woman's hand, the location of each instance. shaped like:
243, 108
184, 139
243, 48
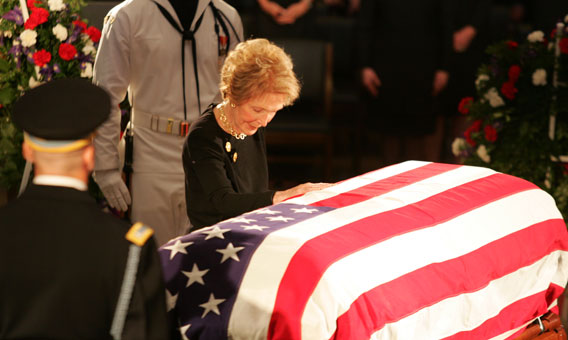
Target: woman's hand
301, 189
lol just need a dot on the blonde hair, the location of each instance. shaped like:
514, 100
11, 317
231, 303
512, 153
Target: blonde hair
256, 67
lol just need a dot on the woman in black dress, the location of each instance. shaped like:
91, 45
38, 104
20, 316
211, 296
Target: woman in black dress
224, 155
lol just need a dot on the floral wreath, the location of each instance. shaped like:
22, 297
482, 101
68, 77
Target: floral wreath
519, 117
40, 40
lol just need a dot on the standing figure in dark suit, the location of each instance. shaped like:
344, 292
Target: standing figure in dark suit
403, 49
67, 269
471, 20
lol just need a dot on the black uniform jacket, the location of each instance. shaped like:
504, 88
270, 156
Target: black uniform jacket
62, 262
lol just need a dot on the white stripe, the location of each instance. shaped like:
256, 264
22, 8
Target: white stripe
348, 278
508, 333
470, 310
257, 294
357, 182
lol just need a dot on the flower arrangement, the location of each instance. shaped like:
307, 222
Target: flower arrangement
519, 117
40, 40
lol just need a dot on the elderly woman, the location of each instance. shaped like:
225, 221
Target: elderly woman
224, 155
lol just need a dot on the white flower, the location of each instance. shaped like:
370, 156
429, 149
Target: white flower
539, 77
494, 99
536, 36
458, 145
87, 72
89, 48
60, 32
482, 153
481, 78
28, 37
8, 34
33, 82
56, 5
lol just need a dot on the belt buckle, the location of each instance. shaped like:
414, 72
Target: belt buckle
155, 119
183, 128
170, 125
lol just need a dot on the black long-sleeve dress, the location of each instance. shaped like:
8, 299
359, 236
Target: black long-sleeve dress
224, 176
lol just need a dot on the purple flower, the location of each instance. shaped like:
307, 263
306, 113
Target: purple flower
56, 68
74, 35
16, 50
15, 16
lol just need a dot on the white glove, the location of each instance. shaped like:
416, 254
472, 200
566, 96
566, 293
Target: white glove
113, 187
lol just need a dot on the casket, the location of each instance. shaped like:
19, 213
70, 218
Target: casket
415, 250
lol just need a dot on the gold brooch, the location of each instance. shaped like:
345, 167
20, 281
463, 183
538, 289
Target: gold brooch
235, 157
228, 146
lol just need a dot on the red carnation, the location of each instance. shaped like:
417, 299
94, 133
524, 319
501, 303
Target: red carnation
94, 33
32, 3
37, 17
41, 57
67, 51
464, 105
509, 90
512, 44
475, 127
81, 24
564, 45
490, 133
514, 73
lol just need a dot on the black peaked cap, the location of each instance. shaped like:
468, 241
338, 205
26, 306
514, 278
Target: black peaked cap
62, 109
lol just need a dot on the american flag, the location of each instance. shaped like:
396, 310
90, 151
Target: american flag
415, 250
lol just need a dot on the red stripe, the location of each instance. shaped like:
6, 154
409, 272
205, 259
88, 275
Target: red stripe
525, 309
316, 255
386, 185
436, 282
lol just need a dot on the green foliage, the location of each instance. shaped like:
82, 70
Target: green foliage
20, 71
517, 96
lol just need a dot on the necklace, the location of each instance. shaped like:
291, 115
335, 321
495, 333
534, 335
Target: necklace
228, 125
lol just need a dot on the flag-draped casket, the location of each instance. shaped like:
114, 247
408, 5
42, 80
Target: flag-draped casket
415, 250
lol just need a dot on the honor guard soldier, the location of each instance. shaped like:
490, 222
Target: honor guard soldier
67, 269
167, 54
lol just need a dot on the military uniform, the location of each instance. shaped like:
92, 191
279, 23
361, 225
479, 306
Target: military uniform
62, 264
140, 51
67, 269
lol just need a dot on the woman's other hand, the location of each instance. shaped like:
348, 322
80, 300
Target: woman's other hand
301, 189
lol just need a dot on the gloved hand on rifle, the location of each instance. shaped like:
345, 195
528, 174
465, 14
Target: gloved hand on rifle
115, 191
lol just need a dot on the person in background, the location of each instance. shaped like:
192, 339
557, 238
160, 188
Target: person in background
69, 270
286, 19
224, 155
167, 55
471, 22
403, 50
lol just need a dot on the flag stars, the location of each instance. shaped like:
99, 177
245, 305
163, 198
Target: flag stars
215, 232
211, 305
195, 275
304, 210
230, 252
253, 227
268, 212
241, 220
171, 300
177, 247
183, 331
280, 218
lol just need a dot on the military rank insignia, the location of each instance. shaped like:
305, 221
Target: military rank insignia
139, 234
